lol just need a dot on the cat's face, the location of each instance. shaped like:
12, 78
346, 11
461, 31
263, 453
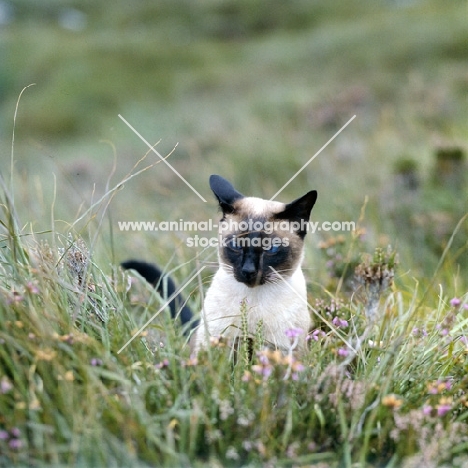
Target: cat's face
260, 239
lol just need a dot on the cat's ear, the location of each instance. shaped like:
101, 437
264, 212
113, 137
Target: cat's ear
299, 211
225, 193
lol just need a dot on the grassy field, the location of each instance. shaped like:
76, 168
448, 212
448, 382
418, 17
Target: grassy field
250, 91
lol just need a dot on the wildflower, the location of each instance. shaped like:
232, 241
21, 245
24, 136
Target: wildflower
298, 366
339, 323
263, 370
65, 338
217, 341
32, 287
294, 368
96, 362
4, 435
225, 409
247, 377
69, 377
15, 444
15, 298
45, 355
420, 332
343, 352
444, 406
294, 332
5, 385
247, 445
192, 361
316, 334
276, 356
455, 302
427, 410
232, 454
15, 432
392, 401
163, 363
263, 358
434, 388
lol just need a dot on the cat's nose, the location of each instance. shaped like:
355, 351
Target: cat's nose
249, 272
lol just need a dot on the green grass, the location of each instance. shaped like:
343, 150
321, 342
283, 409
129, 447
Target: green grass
249, 93
376, 393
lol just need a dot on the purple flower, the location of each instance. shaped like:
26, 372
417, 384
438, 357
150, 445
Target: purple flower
339, 322
427, 410
298, 367
15, 444
265, 371
15, 432
455, 302
316, 334
263, 359
294, 332
4, 435
343, 352
96, 362
443, 409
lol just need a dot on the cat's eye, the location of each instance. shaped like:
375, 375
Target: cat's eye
273, 249
234, 244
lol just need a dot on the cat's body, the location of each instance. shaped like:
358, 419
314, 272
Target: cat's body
278, 307
260, 254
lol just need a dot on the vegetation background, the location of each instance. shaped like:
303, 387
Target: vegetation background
249, 89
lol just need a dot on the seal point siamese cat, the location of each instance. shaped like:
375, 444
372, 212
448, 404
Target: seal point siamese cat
260, 251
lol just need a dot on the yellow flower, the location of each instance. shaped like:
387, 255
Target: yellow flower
392, 401
45, 355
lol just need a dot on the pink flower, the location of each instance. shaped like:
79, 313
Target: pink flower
294, 332
442, 410
339, 322
15, 444
263, 358
315, 335
455, 302
32, 287
163, 363
264, 370
427, 410
343, 352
